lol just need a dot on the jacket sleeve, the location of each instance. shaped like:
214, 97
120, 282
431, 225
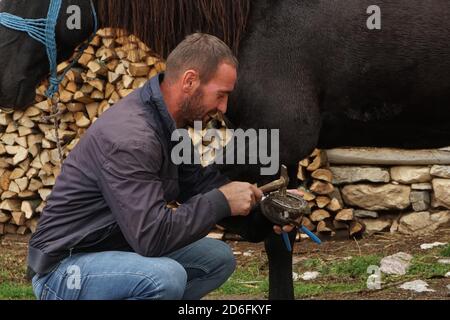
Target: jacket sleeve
195, 179
133, 190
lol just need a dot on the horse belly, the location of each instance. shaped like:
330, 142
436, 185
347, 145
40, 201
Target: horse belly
406, 62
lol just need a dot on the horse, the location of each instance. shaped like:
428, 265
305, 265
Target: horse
313, 69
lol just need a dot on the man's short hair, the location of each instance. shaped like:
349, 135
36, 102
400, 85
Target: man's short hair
200, 52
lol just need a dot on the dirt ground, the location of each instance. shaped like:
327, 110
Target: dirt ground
382, 244
378, 244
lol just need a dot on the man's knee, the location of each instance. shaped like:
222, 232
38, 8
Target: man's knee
173, 287
168, 283
224, 257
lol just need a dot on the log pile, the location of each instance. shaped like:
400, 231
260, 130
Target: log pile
329, 218
109, 69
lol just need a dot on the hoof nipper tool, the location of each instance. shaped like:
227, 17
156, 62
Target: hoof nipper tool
284, 208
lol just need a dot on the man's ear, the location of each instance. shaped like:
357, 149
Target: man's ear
191, 81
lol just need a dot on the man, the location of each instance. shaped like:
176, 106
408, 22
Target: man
106, 232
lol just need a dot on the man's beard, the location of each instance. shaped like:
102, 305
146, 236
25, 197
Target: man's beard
192, 110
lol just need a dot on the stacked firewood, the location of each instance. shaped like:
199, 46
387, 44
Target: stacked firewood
109, 69
329, 218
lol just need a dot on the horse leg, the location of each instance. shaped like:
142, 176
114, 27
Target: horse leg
264, 104
256, 228
280, 267
253, 228
281, 286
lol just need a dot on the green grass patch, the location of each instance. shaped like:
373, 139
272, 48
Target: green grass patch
251, 279
356, 267
303, 290
313, 264
445, 252
13, 284
427, 267
14, 291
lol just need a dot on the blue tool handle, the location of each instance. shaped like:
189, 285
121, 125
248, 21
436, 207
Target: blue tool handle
310, 234
286, 240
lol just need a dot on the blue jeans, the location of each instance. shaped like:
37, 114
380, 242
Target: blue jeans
188, 273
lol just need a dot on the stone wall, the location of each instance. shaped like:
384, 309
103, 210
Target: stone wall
406, 199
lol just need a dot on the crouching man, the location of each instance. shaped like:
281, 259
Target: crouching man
106, 232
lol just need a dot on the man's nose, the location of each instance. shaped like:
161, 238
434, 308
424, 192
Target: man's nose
223, 106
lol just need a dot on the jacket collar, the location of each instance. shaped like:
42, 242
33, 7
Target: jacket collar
151, 94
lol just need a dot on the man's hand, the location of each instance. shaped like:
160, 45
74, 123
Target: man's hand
288, 228
241, 196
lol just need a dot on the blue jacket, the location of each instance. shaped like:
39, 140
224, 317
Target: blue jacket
114, 186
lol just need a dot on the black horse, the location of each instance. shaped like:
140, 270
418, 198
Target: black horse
312, 69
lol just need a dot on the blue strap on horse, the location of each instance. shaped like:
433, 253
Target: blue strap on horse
287, 242
44, 31
313, 237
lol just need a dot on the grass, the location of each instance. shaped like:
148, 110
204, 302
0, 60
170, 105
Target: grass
14, 291
305, 290
13, 284
427, 267
249, 279
338, 276
355, 268
342, 276
445, 252
422, 267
